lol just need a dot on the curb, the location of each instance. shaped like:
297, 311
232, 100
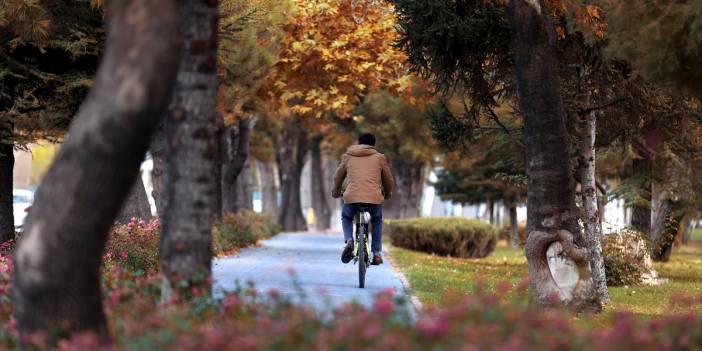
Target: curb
417, 305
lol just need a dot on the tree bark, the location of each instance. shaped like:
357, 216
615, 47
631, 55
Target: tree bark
235, 152
244, 192
7, 215
292, 150
136, 205
191, 155
57, 264
409, 186
318, 186
269, 188
664, 227
513, 227
551, 213
641, 206
591, 220
158, 145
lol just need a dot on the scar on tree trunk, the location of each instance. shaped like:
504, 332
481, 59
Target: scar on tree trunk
552, 217
57, 264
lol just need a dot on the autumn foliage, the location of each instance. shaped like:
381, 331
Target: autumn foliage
335, 51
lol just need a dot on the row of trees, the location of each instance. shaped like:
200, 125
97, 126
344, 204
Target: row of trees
547, 78
204, 79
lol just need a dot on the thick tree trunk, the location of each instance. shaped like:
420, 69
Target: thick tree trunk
513, 227
641, 206
136, 205
7, 216
191, 154
489, 211
158, 144
57, 264
551, 213
235, 152
292, 149
591, 219
409, 185
320, 192
269, 188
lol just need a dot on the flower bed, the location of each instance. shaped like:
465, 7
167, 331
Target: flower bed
448, 236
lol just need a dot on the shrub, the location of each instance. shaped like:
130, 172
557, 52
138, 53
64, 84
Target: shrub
134, 246
449, 236
237, 230
627, 259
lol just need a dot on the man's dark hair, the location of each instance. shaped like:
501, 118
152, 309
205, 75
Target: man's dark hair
366, 139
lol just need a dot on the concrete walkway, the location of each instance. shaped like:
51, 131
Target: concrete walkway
318, 274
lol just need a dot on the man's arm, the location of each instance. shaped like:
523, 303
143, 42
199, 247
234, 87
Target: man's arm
339, 177
387, 179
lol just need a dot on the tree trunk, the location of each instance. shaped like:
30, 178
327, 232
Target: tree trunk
136, 205
57, 264
591, 219
269, 188
641, 206
235, 152
191, 155
244, 192
292, 149
7, 215
318, 188
664, 227
551, 213
158, 144
685, 229
513, 227
409, 185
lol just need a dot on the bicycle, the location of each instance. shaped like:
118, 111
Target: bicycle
362, 253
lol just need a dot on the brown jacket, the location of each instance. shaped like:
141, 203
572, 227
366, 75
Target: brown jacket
368, 174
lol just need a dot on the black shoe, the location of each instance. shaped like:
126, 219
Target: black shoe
377, 259
347, 255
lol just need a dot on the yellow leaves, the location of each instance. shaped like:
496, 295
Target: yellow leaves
280, 84
338, 43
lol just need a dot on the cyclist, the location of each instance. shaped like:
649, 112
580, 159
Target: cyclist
369, 182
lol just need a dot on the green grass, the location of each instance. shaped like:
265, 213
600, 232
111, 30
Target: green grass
438, 280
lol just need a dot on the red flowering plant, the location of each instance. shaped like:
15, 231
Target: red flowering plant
134, 246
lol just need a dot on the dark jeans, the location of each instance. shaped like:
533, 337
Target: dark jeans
376, 212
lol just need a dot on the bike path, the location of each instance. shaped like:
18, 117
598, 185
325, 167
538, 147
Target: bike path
318, 277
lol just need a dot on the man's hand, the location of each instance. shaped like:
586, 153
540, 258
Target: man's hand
336, 194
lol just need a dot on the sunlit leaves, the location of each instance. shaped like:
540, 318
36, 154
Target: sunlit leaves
335, 51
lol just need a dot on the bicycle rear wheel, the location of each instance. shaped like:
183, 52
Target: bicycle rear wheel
362, 262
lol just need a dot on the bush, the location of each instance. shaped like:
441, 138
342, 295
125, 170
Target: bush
134, 246
449, 236
237, 230
627, 258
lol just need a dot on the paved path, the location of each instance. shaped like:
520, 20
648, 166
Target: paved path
318, 271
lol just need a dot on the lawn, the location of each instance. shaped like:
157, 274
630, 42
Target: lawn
438, 280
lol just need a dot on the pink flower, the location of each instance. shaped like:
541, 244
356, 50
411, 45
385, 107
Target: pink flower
383, 306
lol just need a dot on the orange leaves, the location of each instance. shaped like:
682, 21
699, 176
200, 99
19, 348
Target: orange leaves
335, 51
588, 17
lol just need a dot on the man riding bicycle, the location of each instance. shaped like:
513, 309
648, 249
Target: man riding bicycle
369, 182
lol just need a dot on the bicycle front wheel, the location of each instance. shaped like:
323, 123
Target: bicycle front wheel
362, 264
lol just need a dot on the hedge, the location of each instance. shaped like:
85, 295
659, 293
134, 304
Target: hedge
448, 236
